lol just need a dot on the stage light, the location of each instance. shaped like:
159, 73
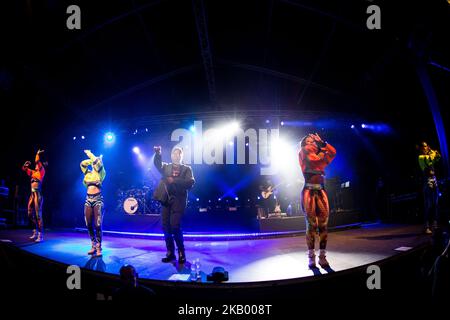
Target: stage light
284, 158
267, 121
259, 198
217, 275
192, 128
219, 199
231, 143
82, 137
74, 138
136, 150
282, 123
363, 125
146, 130
109, 138
352, 126
236, 198
230, 128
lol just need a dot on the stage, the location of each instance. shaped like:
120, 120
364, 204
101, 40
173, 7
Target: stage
247, 261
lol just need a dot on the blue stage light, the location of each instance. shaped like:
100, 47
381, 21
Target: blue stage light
136, 150
82, 137
363, 125
236, 198
352, 126
74, 138
109, 138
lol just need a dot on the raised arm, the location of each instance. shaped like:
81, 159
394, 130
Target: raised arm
428, 160
329, 153
26, 168
157, 160
84, 165
99, 167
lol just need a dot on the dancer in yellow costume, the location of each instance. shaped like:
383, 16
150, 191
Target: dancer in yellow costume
94, 174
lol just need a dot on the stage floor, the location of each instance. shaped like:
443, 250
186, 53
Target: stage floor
245, 260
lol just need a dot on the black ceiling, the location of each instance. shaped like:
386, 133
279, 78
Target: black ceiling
141, 57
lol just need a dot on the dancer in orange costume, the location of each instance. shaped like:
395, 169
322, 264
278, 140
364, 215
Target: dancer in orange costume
35, 201
315, 155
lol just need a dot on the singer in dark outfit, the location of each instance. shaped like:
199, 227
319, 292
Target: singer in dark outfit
172, 192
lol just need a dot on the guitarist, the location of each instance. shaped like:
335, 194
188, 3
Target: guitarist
268, 201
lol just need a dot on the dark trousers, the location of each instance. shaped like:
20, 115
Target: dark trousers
171, 223
431, 212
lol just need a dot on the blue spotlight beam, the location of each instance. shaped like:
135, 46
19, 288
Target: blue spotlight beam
433, 104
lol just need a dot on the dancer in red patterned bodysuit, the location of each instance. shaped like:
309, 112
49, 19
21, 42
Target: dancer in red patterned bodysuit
314, 156
35, 201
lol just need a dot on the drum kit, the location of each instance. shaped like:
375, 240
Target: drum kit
138, 201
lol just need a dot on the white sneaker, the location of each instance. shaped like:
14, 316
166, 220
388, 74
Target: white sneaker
34, 236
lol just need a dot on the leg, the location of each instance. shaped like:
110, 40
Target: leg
32, 216
37, 202
98, 219
175, 224
435, 208
323, 212
427, 207
170, 245
88, 216
309, 208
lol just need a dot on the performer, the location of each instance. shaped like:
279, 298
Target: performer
267, 198
427, 159
35, 201
314, 156
94, 174
172, 192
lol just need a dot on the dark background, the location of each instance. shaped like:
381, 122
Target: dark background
132, 60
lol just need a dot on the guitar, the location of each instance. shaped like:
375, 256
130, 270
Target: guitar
269, 191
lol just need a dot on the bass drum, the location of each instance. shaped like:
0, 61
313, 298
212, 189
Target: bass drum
130, 205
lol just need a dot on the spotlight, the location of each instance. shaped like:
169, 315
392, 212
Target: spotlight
282, 123
237, 198
82, 137
218, 274
363, 125
74, 138
352, 126
267, 121
198, 199
109, 137
136, 150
